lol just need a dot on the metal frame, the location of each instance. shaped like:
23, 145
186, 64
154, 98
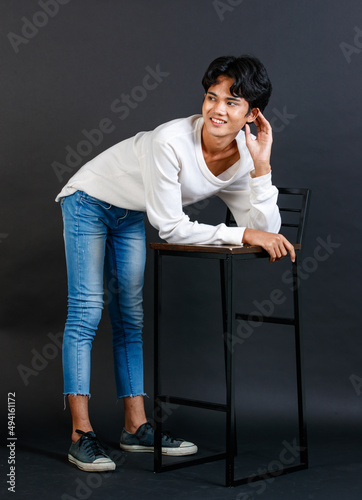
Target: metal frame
226, 256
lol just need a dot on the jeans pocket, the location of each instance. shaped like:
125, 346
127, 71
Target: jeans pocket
87, 199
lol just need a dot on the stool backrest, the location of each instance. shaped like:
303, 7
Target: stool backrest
293, 206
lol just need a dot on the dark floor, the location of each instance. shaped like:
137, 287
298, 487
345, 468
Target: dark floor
335, 471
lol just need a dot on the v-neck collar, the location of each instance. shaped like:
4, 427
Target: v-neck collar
225, 177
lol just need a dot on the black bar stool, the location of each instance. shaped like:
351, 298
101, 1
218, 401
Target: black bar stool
294, 208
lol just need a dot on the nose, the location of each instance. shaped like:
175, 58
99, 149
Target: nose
219, 107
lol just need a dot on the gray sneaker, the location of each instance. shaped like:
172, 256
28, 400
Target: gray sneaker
143, 440
88, 454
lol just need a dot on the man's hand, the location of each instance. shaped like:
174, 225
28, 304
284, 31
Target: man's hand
260, 148
276, 245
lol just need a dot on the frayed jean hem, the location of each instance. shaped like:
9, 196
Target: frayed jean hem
132, 395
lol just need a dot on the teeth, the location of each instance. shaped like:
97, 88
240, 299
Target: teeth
217, 121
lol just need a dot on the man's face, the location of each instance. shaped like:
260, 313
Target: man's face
224, 114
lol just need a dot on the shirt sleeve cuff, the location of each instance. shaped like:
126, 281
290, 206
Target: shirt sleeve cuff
263, 181
233, 235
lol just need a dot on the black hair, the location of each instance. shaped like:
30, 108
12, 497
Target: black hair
251, 80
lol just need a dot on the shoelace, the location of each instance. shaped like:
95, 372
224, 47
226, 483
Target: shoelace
165, 435
92, 444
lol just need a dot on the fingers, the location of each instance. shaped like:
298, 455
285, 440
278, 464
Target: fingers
277, 253
284, 247
248, 138
279, 248
262, 124
291, 249
261, 119
276, 245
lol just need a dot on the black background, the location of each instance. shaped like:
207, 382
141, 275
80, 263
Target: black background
65, 79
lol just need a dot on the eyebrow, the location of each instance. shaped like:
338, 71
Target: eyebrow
229, 98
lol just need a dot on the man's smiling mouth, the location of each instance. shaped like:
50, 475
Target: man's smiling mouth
217, 120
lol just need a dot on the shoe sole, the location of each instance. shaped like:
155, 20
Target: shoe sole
171, 452
91, 467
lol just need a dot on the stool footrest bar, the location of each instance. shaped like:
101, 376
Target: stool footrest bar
268, 475
195, 461
265, 319
207, 405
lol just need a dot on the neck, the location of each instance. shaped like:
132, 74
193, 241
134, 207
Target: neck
214, 145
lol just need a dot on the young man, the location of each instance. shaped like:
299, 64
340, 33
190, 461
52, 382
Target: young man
159, 172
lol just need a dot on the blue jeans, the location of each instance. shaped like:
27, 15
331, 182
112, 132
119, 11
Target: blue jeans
103, 240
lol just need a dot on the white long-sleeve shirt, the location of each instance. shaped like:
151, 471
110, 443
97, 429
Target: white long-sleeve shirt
161, 171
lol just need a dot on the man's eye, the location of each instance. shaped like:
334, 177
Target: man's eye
232, 103
211, 98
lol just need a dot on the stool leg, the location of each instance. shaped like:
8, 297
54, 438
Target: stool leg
227, 343
157, 386
223, 306
230, 386
298, 351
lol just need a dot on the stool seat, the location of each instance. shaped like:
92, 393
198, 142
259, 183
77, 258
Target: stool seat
223, 249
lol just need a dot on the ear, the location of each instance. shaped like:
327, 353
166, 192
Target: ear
253, 115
